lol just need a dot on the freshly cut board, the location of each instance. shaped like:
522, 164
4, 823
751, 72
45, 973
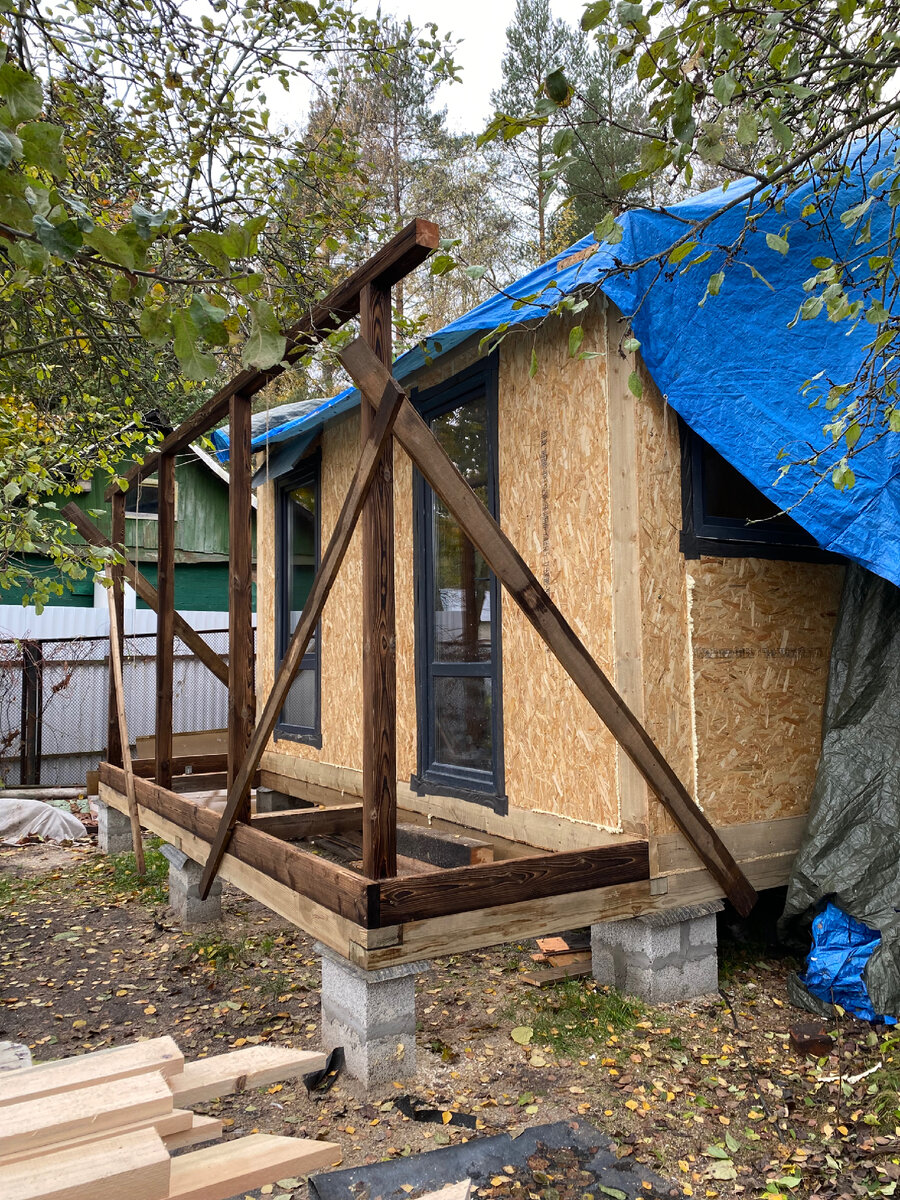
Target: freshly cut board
132, 1165
219, 1172
87, 1070
250, 1067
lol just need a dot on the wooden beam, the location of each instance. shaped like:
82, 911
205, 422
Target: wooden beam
402, 254
379, 654
462, 889
199, 763
241, 703
113, 742
374, 382
135, 1164
328, 884
165, 619
245, 1163
365, 472
238, 1070
115, 659
148, 593
306, 822
87, 1070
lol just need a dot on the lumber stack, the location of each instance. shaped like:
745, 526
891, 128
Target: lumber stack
104, 1125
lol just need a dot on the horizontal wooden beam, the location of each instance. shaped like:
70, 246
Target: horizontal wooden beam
374, 381
462, 889
186, 764
329, 884
149, 594
402, 254
307, 822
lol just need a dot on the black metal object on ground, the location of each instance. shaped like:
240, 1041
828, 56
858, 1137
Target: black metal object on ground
565, 1147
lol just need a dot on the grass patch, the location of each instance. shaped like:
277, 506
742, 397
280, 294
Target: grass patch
577, 1014
116, 876
884, 1086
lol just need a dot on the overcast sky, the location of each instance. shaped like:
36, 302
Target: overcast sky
481, 26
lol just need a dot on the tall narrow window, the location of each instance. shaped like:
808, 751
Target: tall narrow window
458, 634
297, 551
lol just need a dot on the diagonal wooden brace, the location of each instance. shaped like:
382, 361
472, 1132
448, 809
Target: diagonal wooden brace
374, 381
148, 593
360, 485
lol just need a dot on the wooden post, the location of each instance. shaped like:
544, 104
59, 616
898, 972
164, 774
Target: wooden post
240, 596
32, 691
114, 753
379, 672
165, 620
118, 703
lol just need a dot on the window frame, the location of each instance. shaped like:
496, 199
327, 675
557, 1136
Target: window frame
146, 484
308, 470
433, 778
723, 537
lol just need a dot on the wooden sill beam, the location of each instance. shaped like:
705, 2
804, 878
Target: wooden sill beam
148, 593
402, 254
308, 822
373, 380
199, 763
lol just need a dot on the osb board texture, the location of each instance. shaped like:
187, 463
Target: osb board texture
265, 592
554, 491
761, 646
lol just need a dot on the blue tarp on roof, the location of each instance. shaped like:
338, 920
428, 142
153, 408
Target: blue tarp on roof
730, 367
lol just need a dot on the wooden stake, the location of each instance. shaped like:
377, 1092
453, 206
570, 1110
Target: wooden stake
374, 381
379, 665
113, 744
240, 597
325, 576
165, 620
115, 668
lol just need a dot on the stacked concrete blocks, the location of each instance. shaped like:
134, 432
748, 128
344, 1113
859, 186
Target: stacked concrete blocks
113, 830
184, 891
372, 1015
662, 957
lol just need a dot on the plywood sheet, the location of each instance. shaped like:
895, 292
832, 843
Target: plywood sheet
761, 644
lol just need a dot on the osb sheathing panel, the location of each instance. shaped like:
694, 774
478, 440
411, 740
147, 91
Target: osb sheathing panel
761, 644
265, 592
554, 490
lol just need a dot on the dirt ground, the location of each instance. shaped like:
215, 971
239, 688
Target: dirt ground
708, 1095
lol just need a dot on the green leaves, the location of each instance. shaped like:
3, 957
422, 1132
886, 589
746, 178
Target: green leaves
576, 337
777, 243
194, 364
42, 148
21, 92
266, 344
111, 246
635, 385
64, 239
557, 88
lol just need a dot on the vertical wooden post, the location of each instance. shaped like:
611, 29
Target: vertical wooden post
117, 574
118, 702
165, 620
379, 829
240, 595
32, 694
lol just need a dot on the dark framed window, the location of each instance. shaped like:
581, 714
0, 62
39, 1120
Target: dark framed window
458, 658
142, 502
724, 514
297, 549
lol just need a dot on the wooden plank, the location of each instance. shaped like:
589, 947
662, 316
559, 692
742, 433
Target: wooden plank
305, 822
177, 1123
113, 741
315, 602
327, 883
87, 1070
379, 654
402, 254
165, 621
203, 781
241, 702
332, 930
136, 1165
464, 888
201, 1129
251, 1067
483, 531
749, 840
219, 1172
34, 1124
116, 642
440, 848
201, 763
579, 969
148, 593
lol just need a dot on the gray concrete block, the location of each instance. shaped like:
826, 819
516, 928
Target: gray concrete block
659, 958
372, 1015
268, 800
14, 1056
113, 830
184, 891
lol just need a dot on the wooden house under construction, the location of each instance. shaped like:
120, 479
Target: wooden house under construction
568, 657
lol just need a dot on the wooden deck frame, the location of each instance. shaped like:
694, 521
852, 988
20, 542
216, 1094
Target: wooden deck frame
378, 899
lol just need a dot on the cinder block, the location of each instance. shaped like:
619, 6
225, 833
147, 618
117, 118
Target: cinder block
14, 1056
184, 891
372, 1015
113, 830
660, 958
268, 800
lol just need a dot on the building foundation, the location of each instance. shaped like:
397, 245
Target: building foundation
184, 891
113, 830
661, 957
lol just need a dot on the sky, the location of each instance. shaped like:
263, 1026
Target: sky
481, 25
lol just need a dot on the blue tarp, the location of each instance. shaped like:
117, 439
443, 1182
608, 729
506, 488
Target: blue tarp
835, 968
731, 367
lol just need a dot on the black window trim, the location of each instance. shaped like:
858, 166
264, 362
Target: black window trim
309, 469
443, 779
722, 538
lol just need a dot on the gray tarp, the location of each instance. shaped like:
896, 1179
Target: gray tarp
851, 848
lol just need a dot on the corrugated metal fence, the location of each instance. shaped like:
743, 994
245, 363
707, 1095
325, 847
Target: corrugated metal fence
53, 700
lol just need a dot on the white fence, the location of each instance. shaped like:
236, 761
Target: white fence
70, 739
